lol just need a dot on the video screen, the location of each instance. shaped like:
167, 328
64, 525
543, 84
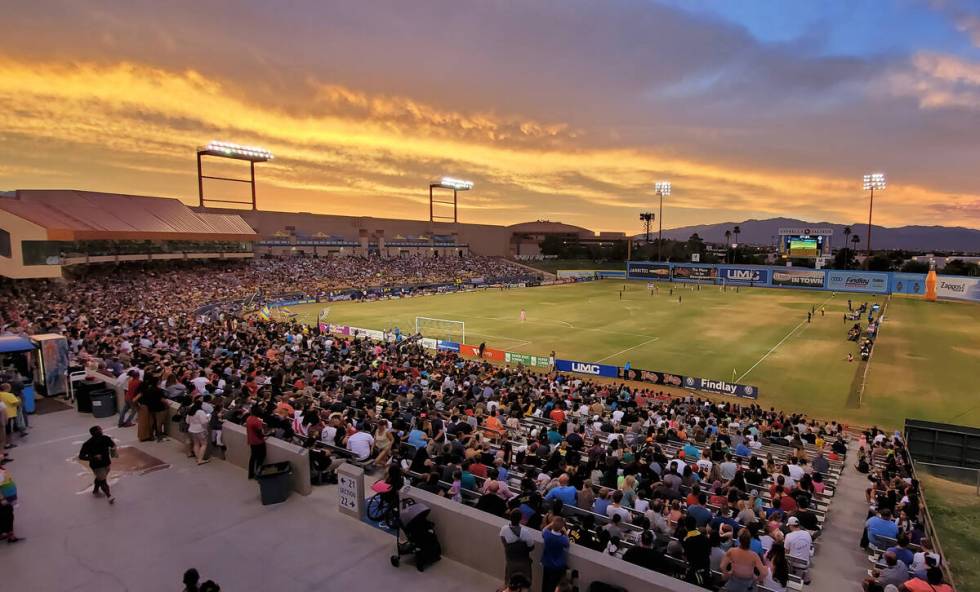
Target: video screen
802, 246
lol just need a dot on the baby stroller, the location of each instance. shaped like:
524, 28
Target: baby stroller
419, 538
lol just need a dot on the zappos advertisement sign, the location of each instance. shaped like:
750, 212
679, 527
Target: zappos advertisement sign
744, 275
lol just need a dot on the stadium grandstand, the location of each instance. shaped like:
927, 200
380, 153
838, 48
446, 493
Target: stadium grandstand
190, 329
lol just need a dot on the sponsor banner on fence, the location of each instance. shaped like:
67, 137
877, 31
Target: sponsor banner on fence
695, 272
961, 288
857, 281
650, 376
469, 350
494, 355
744, 391
648, 270
576, 273
527, 360
744, 275
605, 275
447, 345
429, 343
803, 278
908, 283
587, 368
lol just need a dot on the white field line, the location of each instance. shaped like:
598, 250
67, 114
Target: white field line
788, 335
521, 342
628, 349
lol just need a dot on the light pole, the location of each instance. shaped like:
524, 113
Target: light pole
663, 189
456, 185
219, 149
872, 181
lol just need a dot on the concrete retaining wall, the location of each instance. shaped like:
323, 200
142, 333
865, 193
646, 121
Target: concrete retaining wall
472, 537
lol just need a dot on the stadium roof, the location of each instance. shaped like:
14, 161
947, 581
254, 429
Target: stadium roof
547, 226
71, 215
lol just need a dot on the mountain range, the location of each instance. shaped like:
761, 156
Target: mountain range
913, 238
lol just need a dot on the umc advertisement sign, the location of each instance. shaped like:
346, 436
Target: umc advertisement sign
744, 275
590, 368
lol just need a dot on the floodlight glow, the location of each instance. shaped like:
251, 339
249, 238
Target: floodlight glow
662, 188
237, 150
456, 184
874, 181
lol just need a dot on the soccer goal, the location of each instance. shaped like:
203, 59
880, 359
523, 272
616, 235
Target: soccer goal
445, 329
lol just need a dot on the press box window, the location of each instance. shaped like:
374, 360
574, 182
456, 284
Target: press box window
4, 243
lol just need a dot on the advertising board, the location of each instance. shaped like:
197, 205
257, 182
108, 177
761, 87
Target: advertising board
857, 281
721, 387
447, 345
527, 360
695, 272
576, 273
908, 283
644, 270
799, 278
960, 288
744, 275
590, 368
664, 378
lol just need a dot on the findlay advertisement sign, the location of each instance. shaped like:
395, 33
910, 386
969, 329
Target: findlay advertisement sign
857, 281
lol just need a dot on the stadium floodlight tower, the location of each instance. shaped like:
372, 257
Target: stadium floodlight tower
663, 190
872, 181
456, 185
219, 149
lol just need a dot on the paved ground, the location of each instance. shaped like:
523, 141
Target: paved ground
840, 563
181, 516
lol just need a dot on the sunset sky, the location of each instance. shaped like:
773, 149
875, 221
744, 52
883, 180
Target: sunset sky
557, 109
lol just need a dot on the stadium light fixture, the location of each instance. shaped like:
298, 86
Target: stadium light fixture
456, 184
872, 181
453, 184
663, 190
230, 150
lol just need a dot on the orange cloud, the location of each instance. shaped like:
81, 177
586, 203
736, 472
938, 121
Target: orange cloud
351, 150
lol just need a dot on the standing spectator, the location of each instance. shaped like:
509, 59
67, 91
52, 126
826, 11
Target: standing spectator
7, 518
151, 398
697, 550
255, 435
128, 412
741, 564
98, 450
798, 544
517, 543
197, 430
554, 557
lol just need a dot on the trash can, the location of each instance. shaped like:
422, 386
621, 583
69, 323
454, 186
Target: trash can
103, 402
274, 482
83, 393
30, 405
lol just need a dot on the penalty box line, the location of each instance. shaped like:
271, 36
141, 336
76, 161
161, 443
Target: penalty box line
628, 349
781, 341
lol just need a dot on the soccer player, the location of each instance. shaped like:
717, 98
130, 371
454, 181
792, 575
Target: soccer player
523, 315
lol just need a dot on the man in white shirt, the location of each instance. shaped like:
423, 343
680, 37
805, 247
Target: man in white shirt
361, 444
798, 544
795, 470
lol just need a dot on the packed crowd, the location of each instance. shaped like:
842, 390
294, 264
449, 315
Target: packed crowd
716, 493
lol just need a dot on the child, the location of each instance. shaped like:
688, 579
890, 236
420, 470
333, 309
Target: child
456, 491
215, 423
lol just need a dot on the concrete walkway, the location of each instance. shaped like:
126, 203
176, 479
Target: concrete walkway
840, 564
182, 516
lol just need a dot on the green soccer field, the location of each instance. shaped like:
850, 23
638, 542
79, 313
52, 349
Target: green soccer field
758, 336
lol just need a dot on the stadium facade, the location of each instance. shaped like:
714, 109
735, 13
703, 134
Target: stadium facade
43, 231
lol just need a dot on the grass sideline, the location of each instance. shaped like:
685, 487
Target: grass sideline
955, 511
760, 333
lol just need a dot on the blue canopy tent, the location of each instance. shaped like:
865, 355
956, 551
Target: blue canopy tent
13, 344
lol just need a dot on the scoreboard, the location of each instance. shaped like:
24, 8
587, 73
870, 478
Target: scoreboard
804, 243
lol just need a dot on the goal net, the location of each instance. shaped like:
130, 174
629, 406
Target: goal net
444, 329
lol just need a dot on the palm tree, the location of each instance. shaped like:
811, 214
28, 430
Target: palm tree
854, 239
728, 243
736, 231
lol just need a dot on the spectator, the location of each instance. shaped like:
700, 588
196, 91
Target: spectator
518, 544
554, 557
